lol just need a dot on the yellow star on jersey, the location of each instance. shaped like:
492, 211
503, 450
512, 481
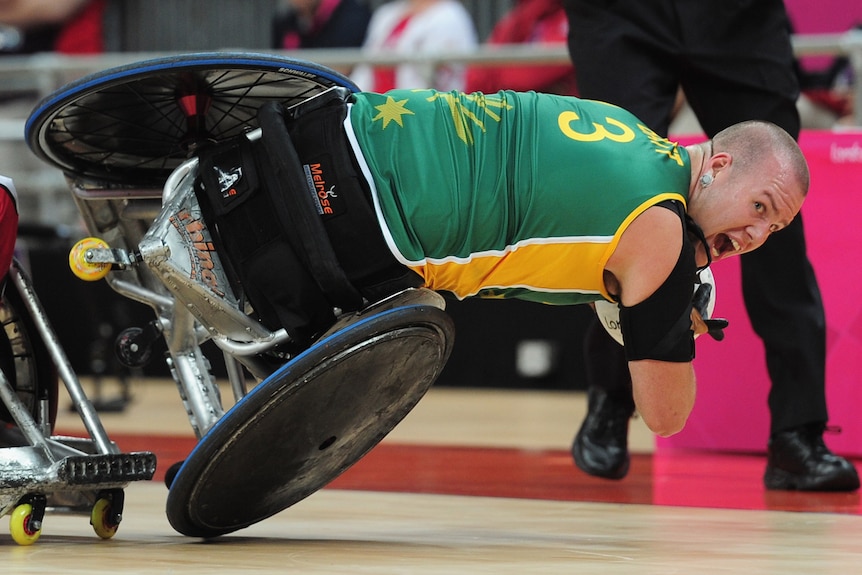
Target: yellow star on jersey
392, 110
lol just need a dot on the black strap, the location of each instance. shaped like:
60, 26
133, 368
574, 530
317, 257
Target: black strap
304, 226
343, 196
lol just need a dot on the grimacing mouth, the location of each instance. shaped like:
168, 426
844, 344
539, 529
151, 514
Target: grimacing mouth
723, 245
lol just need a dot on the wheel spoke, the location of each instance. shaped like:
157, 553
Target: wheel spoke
141, 125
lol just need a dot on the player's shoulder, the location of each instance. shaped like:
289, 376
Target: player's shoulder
646, 253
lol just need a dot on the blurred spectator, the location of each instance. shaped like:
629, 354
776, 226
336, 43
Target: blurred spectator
827, 96
411, 27
67, 26
529, 22
827, 84
302, 24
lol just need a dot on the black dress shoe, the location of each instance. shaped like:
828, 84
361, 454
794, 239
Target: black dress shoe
601, 445
797, 459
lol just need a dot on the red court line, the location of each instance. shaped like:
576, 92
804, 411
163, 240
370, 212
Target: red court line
670, 477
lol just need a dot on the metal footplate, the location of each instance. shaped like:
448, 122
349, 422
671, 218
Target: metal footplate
115, 467
29, 469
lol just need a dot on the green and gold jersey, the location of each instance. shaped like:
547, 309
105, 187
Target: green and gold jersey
510, 194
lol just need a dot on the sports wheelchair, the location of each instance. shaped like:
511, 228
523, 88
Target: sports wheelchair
128, 141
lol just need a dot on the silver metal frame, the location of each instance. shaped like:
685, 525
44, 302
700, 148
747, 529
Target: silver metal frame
65, 473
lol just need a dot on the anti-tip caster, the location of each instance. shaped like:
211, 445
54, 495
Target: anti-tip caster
81, 262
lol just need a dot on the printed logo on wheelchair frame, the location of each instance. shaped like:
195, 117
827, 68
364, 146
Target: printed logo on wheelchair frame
323, 186
227, 180
203, 257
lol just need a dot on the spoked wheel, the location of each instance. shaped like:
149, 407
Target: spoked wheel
135, 124
24, 358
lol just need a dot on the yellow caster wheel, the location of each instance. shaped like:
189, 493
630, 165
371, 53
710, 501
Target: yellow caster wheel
83, 269
21, 525
104, 519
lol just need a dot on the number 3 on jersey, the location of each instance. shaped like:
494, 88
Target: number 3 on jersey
618, 132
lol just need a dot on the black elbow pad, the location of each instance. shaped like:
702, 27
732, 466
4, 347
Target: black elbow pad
660, 326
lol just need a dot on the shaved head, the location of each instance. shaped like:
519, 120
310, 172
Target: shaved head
754, 142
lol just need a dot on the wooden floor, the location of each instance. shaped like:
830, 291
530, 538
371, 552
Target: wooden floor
472, 482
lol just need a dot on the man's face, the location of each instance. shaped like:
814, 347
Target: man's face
739, 210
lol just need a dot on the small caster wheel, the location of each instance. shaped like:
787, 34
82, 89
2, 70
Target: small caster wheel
134, 346
25, 529
83, 269
107, 514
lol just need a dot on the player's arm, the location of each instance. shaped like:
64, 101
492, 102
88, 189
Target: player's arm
8, 223
664, 394
647, 255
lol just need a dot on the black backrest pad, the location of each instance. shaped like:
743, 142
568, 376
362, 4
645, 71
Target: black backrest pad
295, 220
248, 230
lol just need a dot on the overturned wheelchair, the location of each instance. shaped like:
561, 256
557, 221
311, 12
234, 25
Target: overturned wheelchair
188, 175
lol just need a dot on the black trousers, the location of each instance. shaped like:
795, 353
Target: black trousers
734, 61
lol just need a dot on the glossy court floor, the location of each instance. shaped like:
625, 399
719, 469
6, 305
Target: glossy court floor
471, 482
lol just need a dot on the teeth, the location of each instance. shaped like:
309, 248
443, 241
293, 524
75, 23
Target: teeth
716, 253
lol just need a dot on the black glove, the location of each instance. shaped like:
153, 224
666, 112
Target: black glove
715, 327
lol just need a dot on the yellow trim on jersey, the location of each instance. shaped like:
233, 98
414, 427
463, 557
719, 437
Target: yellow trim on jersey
466, 277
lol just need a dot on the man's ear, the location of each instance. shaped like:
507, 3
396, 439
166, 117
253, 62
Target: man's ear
719, 161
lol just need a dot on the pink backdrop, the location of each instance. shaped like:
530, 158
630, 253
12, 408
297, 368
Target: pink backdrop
731, 412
